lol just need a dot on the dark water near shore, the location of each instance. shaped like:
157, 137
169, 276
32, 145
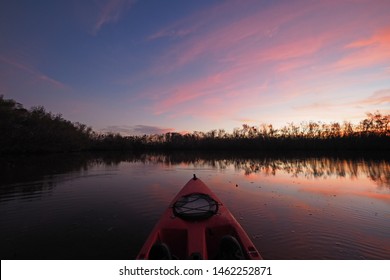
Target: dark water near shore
104, 206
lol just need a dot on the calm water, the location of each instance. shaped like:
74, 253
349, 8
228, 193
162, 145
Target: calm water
103, 207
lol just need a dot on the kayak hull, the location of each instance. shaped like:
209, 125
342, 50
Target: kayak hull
198, 238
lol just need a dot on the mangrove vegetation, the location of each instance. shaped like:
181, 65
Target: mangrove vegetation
37, 131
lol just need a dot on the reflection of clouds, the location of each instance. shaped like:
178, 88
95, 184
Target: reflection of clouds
349, 189
377, 171
309, 168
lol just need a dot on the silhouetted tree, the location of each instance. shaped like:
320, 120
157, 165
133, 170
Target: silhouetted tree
36, 130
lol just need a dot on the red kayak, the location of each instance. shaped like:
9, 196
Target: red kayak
197, 225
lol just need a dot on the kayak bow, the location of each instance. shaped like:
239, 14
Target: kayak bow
197, 225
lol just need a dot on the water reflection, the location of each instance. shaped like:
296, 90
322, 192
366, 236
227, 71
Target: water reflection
15, 171
378, 170
103, 206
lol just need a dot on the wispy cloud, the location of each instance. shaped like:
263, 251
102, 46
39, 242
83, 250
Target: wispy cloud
147, 129
246, 121
35, 73
171, 33
366, 52
244, 56
377, 100
270, 56
380, 97
111, 11
140, 129
197, 22
218, 37
316, 106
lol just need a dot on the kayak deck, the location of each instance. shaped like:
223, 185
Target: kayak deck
196, 232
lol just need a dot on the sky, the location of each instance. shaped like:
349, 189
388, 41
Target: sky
151, 66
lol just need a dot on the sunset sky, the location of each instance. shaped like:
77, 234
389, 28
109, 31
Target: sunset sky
151, 66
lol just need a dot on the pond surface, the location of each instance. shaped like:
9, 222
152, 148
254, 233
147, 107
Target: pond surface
104, 206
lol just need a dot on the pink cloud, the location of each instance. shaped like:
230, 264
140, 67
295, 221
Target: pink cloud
294, 64
267, 58
225, 41
193, 90
197, 21
211, 92
242, 79
366, 52
276, 32
302, 47
238, 48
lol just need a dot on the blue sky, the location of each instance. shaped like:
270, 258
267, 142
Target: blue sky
139, 67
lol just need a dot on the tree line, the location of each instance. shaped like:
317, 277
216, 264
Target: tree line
38, 131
